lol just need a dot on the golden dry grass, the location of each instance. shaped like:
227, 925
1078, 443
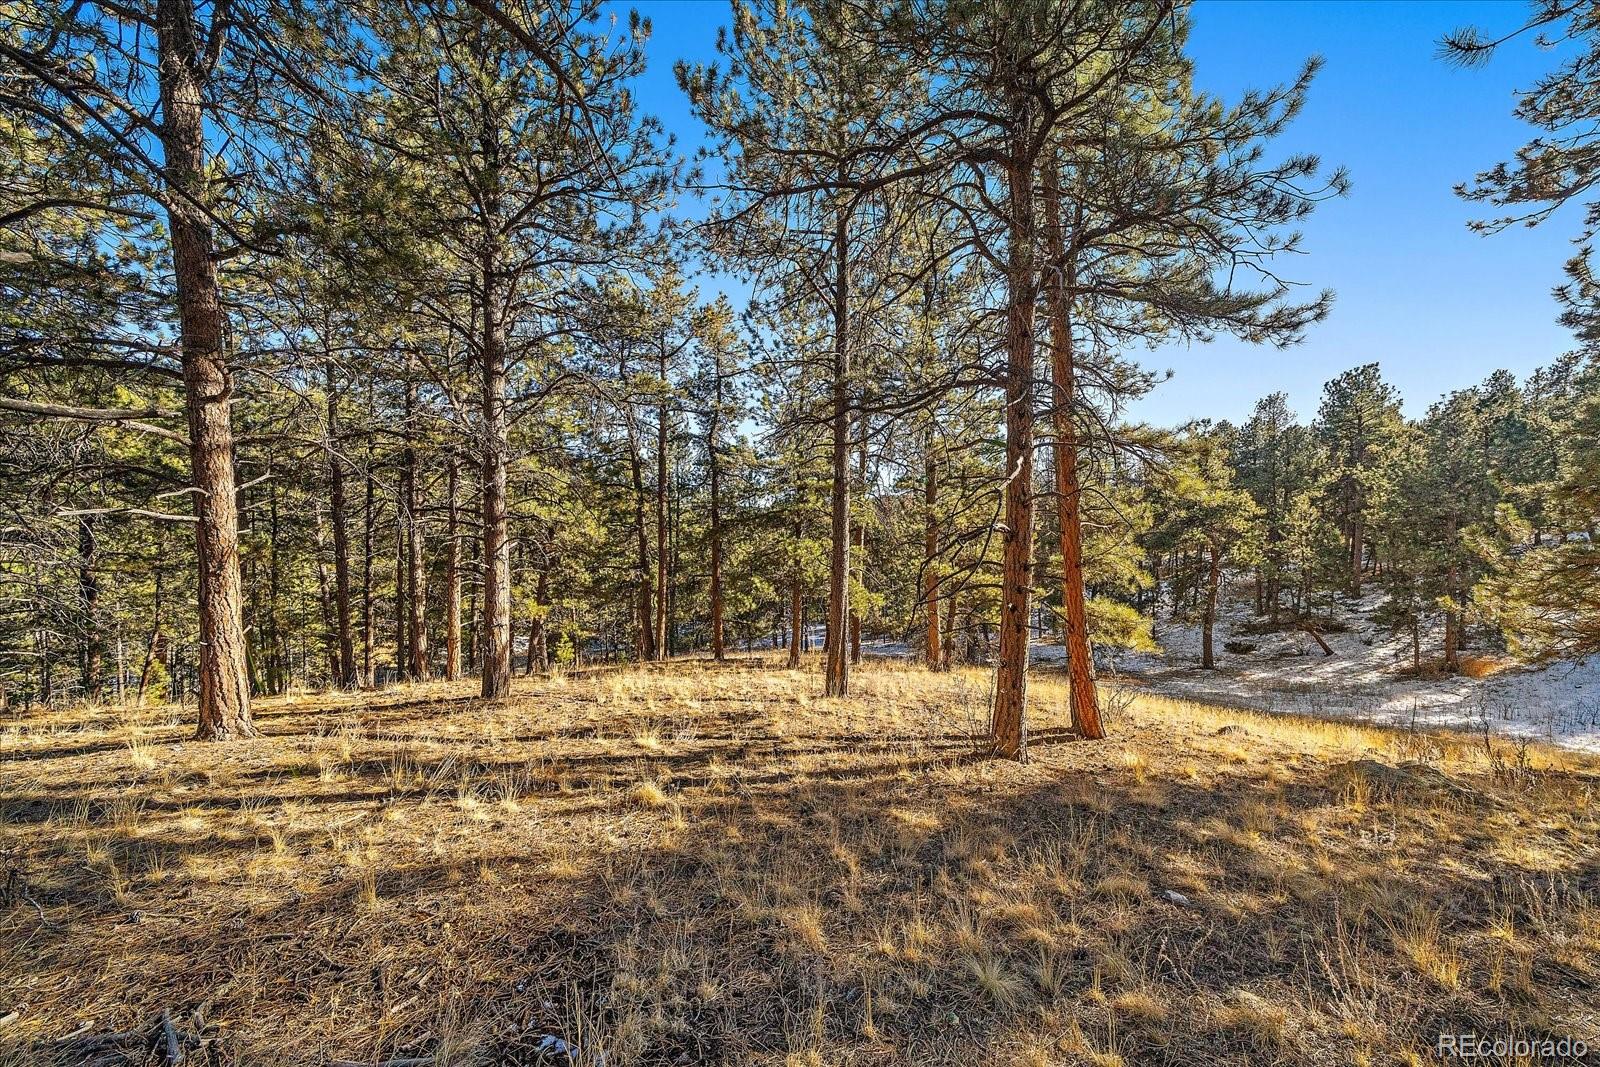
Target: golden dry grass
716, 865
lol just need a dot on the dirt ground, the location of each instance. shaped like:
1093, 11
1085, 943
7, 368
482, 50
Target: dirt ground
701, 864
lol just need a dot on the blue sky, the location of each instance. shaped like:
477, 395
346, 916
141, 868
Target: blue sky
1439, 307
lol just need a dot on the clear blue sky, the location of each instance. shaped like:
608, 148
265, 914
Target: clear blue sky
1437, 306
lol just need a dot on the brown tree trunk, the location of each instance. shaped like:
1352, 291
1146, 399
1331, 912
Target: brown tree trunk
496, 508
935, 655
452, 575
1085, 698
538, 635
89, 607
836, 675
416, 575
207, 383
345, 675
797, 624
1452, 617
646, 645
1008, 738
948, 656
1358, 550
152, 648
718, 652
402, 646
859, 536
369, 529
1209, 619
660, 633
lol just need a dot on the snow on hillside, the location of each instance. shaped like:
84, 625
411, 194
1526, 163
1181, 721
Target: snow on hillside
1288, 672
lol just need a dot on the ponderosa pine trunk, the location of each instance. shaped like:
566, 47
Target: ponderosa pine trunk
1358, 548
345, 675
92, 648
859, 537
1452, 617
496, 510
646, 645
660, 632
1008, 738
1209, 619
402, 645
224, 710
935, 655
718, 652
836, 675
539, 633
416, 575
1084, 692
452, 572
369, 530
797, 624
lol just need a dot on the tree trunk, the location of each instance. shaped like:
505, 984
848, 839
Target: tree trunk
836, 676
1084, 693
1016, 576
1358, 550
345, 675
947, 658
207, 382
1209, 619
369, 529
718, 653
935, 655
538, 634
152, 648
646, 645
496, 509
797, 624
452, 574
416, 575
660, 633
1452, 616
402, 646
92, 648
859, 536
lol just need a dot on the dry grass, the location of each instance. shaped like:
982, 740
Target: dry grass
698, 865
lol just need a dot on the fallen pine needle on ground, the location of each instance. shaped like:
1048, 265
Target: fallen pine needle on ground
714, 864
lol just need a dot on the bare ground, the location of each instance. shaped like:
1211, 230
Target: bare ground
715, 865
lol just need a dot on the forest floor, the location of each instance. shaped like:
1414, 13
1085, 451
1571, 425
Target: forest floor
699, 864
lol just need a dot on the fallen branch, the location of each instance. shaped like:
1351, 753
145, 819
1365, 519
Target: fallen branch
1312, 630
174, 1049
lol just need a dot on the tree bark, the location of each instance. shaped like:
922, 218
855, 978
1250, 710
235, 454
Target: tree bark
152, 649
1084, 692
496, 509
452, 574
646, 645
1452, 617
836, 678
1008, 737
797, 624
416, 574
718, 652
345, 675
659, 635
89, 607
224, 710
935, 654
402, 614
1209, 619
369, 529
